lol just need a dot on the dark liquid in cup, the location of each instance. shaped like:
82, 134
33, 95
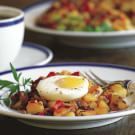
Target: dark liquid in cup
3, 17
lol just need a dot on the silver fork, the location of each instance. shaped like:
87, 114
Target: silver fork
128, 84
97, 80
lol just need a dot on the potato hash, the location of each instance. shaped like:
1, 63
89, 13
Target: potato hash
89, 15
69, 94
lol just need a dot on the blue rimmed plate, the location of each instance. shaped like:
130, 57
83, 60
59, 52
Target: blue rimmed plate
33, 54
115, 39
105, 71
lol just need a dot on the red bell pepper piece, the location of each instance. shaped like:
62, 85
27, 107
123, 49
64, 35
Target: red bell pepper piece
58, 104
76, 73
51, 74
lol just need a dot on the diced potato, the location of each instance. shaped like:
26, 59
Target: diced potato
35, 107
90, 98
94, 93
90, 84
106, 98
101, 110
118, 90
114, 102
61, 111
122, 105
65, 72
70, 114
74, 13
93, 105
103, 104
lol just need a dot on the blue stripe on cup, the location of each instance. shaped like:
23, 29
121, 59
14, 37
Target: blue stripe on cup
9, 23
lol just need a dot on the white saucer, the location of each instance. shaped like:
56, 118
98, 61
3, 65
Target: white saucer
33, 54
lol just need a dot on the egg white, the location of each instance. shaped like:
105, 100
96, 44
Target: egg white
49, 90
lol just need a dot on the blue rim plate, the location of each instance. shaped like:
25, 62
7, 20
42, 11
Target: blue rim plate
33, 54
106, 70
68, 64
114, 39
32, 12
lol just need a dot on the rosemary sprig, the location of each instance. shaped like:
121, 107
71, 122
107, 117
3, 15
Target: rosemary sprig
19, 83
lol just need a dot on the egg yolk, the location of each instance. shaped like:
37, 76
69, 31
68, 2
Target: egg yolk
70, 82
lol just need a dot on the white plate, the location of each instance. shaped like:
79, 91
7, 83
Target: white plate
33, 54
79, 39
105, 71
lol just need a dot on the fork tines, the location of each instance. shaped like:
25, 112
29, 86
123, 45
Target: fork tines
93, 77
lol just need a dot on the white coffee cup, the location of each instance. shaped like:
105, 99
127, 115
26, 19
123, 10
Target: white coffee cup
11, 34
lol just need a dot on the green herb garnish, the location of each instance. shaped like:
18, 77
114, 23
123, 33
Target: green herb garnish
19, 84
